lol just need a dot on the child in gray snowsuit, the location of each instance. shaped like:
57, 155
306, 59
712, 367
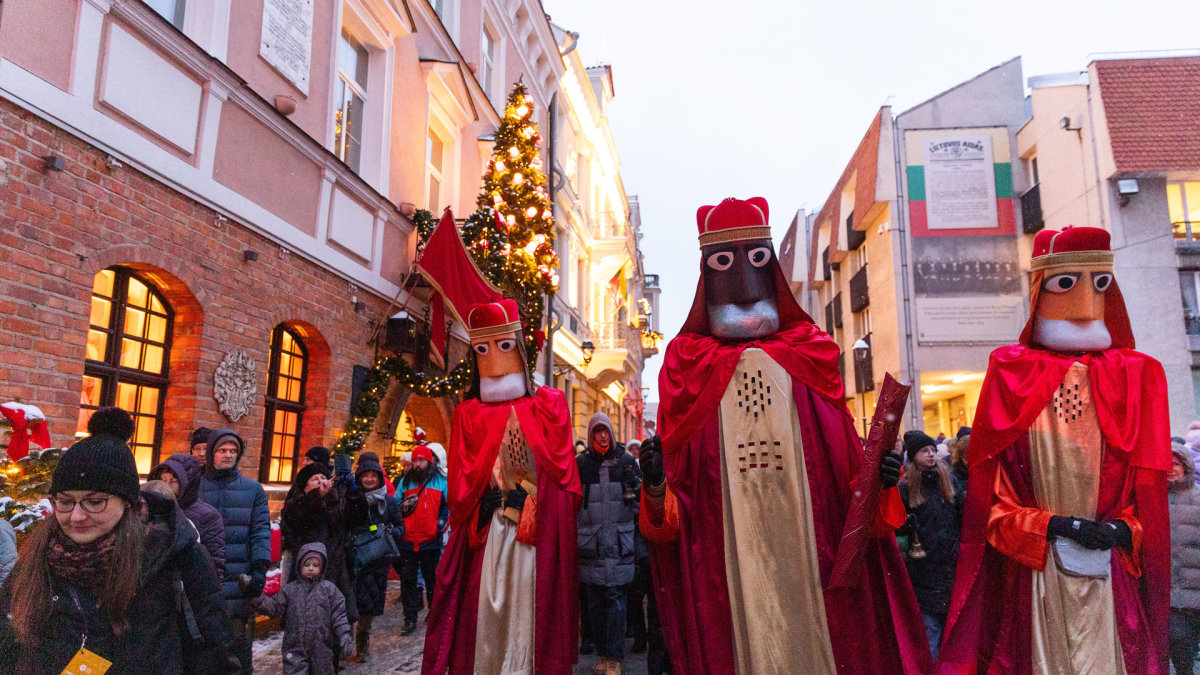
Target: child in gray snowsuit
315, 612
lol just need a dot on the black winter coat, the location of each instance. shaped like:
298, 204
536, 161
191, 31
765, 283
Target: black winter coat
242, 503
938, 522
157, 640
370, 586
313, 518
188, 471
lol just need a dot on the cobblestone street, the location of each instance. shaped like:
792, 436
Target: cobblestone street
391, 653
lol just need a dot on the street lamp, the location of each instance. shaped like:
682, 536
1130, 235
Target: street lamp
862, 351
588, 350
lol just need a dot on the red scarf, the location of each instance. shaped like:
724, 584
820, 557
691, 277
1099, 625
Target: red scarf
82, 565
697, 368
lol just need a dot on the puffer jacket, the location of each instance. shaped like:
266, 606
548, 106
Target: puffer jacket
188, 471
938, 522
242, 504
607, 517
1184, 499
313, 517
315, 620
157, 640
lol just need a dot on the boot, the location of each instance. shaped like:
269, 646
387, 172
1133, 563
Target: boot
601, 667
614, 667
362, 640
410, 627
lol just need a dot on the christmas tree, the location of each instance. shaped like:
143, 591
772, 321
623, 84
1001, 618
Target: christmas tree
511, 236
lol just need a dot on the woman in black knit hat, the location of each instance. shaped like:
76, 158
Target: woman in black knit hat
96, 582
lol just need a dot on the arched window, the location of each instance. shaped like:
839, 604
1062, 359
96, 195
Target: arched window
128, 348
284, 406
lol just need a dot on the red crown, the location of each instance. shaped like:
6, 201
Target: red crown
493, 318
1072, 246
733, 220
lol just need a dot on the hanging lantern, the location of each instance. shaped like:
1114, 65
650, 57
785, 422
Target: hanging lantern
531, 212
546, 214
497, 200
518, 179
523, 110
510, 219
514, 152
500, 167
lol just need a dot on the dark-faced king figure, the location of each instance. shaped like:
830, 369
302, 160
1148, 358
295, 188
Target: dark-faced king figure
508, 581
1064, 563
747, 489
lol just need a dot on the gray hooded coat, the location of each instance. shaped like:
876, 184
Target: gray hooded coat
315, 619
608, 517
1184, 499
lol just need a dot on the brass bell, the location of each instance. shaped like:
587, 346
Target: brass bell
915, 551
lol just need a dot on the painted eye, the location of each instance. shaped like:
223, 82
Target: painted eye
760, 256
481, 348
506, 345
1061, 283
721, 261
1102, 281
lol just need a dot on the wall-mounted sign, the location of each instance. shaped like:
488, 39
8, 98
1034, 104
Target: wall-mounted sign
287, 31
960, 185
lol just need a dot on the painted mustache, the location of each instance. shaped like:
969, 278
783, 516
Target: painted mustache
744, 322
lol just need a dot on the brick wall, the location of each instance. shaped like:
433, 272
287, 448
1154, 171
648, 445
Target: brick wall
58, 229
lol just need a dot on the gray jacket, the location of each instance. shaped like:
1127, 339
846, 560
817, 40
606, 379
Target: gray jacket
314, 624
608, 516
1184, 498
8, 549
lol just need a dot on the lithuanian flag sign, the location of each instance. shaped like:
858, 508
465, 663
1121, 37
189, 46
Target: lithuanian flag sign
960, 182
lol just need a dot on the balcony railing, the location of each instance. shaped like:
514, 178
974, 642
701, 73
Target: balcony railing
859, 295
613, 335
1032, 221
1186, 231
651, 281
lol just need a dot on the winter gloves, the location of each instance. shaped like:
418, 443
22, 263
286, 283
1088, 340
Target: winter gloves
491, 501
1098, 536
650, 460
889, 470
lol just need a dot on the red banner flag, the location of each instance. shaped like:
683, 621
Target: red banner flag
457, 283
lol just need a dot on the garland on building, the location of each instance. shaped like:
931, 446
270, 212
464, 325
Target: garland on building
366, 408
425, 223
511, 235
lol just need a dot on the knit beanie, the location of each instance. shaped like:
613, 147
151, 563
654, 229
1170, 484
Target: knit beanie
914, 441
319, 454
200, 435
308, 471
102, 462
963, 431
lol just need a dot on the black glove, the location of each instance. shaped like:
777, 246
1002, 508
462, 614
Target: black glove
490, 502
889, 470
516, 498
408, 506
651, 461
1122, 535
630, 477
252, 584
1087, 533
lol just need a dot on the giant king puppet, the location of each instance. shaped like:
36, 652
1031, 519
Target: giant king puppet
508, 583
749, 484
1064, 563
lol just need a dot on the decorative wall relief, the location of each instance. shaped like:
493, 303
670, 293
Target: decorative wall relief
234, 384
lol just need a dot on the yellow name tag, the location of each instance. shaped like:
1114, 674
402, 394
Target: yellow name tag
87, 663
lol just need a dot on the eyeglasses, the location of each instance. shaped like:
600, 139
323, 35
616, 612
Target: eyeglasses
89, 504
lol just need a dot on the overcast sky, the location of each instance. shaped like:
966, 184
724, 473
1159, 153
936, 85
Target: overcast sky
737, 99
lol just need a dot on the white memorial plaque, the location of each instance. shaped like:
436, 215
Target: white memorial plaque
287, 30
978, 320
960, 183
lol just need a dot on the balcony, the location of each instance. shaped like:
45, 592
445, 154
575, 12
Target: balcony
651, 281
860, 296
1032, 221
612, 247
1187, 235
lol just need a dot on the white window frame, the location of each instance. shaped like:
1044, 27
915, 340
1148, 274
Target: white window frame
349, 87
489, 64
432, 172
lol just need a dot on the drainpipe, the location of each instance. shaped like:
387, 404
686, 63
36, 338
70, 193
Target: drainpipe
551, 327
916, 419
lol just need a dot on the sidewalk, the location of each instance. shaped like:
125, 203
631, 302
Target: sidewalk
392, 653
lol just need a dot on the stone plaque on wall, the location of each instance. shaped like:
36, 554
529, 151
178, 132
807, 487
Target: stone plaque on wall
234, 384
287, 39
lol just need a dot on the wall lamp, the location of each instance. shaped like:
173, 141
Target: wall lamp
589, 350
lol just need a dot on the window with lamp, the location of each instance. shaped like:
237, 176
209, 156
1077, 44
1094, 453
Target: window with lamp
349, 100
1183, 204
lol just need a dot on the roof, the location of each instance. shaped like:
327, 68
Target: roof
1151, 108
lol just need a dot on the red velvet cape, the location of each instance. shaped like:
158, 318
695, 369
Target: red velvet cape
874, 628
988, 628
477, 430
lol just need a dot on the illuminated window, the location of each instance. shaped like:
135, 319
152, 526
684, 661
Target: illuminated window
349, 99
1183, 204
284, 406
128, 347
